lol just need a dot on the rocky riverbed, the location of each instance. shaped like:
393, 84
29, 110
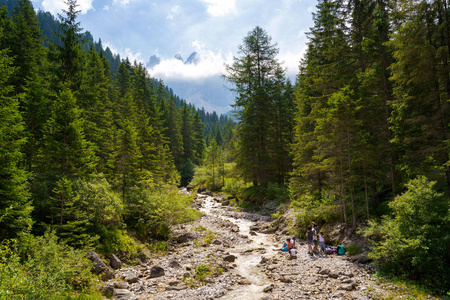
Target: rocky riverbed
230, 255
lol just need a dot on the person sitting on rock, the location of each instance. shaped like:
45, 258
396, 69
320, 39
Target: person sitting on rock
286, 247
292, 253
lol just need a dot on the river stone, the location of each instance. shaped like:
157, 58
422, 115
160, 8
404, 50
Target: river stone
217, 242
267, 230
108, 291
324, 272
333, 275
156, 271
269, 288
225, 202
121, 285
122, 294
174, 264
347, 287
131, 277
115, 262
230, 258
286, 279
100, 267
183, 238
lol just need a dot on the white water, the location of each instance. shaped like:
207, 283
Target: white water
246, 262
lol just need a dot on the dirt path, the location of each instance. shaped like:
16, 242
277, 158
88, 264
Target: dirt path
229, 255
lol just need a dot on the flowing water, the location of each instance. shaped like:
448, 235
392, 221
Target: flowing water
246, 262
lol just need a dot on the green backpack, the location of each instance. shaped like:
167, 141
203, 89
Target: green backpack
340, 250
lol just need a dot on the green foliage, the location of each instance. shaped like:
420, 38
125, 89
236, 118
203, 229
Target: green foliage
202, 271
414, 240
118, 241
352, 249
308, 208
15, 207
187, 172
159, 247
46, 269
152, 210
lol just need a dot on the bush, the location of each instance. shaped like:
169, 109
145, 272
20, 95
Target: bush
414, 241
352, 249
152, 210
47, 269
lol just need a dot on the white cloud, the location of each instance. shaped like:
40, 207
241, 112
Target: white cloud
121, 2
211, 64
57, 6
291, 61
220, 7
174, 11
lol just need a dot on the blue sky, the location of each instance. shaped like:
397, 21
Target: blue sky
214, 28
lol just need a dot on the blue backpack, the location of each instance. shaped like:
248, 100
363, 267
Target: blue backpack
340, 250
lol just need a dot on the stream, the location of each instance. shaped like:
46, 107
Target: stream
237, 251
247, 261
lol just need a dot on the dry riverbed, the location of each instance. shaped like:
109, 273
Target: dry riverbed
230, 255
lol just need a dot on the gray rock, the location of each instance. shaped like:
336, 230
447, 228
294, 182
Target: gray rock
121, 285
131, 277
174, 264
230, 258
175, 288
121, 294
225, 202
108, 291
156, 271
286, 279
235, 229
347, 287
115, 262
267, 230
217, 242
183, 238
252, 233
333, 275
324, 272
269, 288
100, 267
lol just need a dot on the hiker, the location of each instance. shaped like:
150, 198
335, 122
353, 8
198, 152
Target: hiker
322, 243
315, 236
286, 247
309, 239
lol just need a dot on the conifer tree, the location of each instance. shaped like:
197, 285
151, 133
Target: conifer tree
69, 57
421, 115
31, 77
15, 207
255, 74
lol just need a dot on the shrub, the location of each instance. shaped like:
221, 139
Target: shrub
152, 210
47, 269
352, 249
414, 241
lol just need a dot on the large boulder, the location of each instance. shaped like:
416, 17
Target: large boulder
100, 268
230, 258
115, 262
121, 294
156, 271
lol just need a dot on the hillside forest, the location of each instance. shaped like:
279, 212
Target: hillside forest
93, 150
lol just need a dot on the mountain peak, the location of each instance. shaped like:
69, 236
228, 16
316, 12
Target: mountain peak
193, 59
178, 56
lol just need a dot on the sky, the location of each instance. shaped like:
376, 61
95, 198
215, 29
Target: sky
138, 29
